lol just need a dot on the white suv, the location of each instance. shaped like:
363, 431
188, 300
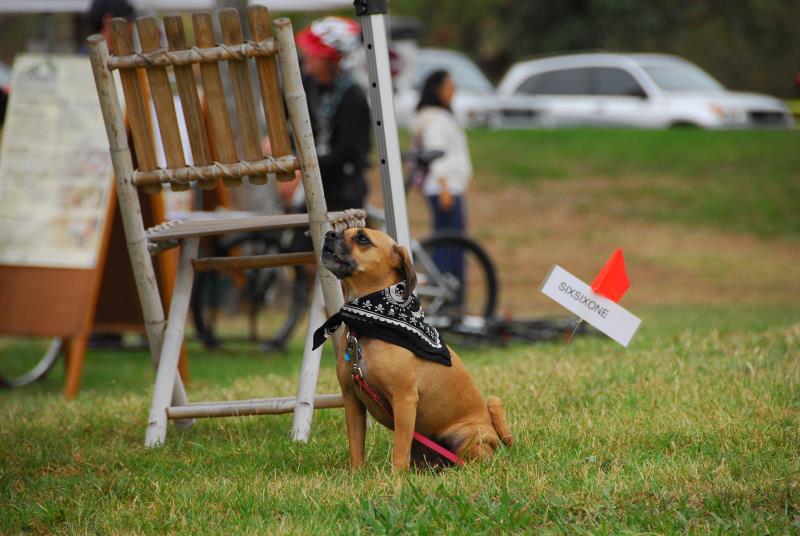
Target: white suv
636, 90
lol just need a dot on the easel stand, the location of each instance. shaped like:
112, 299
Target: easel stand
63, 265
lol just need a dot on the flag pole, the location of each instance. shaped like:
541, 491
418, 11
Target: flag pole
611, 283
570, 336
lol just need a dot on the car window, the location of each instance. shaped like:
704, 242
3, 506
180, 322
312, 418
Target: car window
561, 82
677, 77
5, 75
613, 81
466, 75
530, 85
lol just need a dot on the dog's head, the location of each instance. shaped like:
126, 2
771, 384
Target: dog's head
367, 260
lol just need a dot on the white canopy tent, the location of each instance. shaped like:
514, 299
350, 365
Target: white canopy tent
81, 6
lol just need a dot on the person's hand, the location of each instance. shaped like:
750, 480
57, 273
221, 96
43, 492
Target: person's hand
286, 189
446, 200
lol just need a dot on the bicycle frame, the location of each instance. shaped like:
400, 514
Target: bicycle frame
432, 283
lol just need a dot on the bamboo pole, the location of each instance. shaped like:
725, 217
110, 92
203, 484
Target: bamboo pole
190, 100
271, 96
188, 57
243, 98
130, 211
309, 370
249, 262
240, 408
307, 154
136, 106
171, 349
221, 134
162, 99
331, 289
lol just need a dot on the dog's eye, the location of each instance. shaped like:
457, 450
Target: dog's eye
362, 239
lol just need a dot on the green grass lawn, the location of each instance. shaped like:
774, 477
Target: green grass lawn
744, 181
693, 429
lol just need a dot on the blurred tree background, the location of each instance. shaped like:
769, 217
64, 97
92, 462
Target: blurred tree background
746, 44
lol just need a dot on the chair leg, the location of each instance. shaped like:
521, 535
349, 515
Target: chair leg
167, 378
309, 370
129, 208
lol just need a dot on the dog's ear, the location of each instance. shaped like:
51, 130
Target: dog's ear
406, 269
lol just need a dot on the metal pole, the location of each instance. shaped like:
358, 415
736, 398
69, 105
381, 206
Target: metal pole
373, 29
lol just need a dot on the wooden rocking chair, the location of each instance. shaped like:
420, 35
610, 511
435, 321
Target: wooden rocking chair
214, 157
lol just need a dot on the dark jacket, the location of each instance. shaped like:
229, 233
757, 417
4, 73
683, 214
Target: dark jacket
340, 120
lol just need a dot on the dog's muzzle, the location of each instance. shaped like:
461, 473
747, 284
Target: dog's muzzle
336, 255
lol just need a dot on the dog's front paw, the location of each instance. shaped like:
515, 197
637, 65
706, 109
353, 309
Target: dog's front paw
400, 466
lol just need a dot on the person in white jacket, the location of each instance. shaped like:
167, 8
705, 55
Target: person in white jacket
445, 186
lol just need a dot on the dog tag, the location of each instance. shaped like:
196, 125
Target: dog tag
351, 348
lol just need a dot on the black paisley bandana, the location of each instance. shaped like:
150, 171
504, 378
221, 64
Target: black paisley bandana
387, 316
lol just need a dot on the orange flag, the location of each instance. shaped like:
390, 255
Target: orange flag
612, 281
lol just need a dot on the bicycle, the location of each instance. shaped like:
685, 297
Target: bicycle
275, 299
449, 302
37, 371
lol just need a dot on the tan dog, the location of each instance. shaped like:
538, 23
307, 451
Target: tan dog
438, 401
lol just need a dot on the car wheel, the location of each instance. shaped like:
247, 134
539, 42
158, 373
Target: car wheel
684, 124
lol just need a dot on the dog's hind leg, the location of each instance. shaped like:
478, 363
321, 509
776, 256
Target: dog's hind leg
355, 415
498, 414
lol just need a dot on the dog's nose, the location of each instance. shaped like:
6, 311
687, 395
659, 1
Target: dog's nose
331, 235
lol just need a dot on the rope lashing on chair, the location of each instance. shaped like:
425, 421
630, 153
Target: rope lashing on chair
163, 57
348, 219
217, 170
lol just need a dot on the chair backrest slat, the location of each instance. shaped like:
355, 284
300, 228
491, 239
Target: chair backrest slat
161, 93
214, 153
260, 30
221, 133
190, 100
243, 98
137, 112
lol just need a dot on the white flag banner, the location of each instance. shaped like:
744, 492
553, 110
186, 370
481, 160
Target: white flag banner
602, 313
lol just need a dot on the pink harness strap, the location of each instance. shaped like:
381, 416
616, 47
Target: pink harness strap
359, 380
438, 449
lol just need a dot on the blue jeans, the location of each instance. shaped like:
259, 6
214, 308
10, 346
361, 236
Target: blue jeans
449, 260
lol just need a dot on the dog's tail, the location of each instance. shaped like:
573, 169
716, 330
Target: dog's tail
498, 415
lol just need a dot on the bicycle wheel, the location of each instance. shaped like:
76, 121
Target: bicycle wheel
262, 306
449, 297
29, 364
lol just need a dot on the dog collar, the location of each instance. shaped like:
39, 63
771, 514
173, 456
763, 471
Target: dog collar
388, 316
